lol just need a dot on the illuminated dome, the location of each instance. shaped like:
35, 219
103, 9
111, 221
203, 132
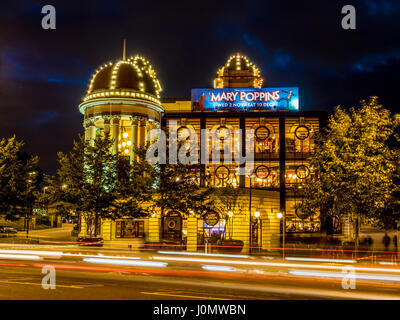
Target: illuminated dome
238, 72
122, 102
134, 77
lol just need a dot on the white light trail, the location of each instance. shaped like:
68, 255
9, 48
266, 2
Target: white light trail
33, 252
98, 256
204, 254
218, 268
272, 264
126, 262
321, 260
362, 276
19, 257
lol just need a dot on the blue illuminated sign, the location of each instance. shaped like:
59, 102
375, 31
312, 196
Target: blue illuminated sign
244, 99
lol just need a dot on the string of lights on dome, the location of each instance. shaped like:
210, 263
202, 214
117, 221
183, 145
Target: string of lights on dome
238, 57
238, 63
141, 66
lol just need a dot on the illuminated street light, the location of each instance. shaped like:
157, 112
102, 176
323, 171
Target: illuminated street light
279, 215
257, 214
230, 214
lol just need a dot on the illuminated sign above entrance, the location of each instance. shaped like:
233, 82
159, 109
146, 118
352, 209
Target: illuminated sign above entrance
245, 99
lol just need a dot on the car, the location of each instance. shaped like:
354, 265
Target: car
91, 241
7, 231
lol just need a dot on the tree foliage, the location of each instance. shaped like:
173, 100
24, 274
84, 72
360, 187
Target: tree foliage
178, 188
134, 186
229, 199
95, 183
20, 178
354, 163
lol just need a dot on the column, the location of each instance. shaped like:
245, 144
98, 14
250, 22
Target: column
106, 126
134, 133
86, 128
107, 225
242, 178
270, 231
154, 230
191, 243
282, 164
241, 226
92, 130
115, 134
142, 132
83, 230
202, 144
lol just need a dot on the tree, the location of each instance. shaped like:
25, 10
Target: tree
19, 179
354, 164
86, 179
229, 201
177, 188
97, 184
134, 187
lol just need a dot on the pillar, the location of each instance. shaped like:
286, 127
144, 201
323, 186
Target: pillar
241, 230
191, 244
106, 228
106, 126
83, 229
134, 134
142, 132
93, 134
154, 230
270, 232
115, 134
87, 128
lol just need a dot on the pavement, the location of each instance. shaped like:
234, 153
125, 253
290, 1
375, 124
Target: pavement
61, 233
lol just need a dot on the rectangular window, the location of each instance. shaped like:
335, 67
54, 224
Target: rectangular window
129, 228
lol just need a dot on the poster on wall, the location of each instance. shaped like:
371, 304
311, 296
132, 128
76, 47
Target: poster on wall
245, 99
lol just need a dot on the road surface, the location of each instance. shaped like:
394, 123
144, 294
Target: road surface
100, 273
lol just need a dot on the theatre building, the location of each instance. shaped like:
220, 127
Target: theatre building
124, 99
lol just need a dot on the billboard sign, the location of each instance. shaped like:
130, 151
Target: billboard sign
245, 99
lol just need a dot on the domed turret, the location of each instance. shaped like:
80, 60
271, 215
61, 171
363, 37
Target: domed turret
122, 101
238, 72
134, 77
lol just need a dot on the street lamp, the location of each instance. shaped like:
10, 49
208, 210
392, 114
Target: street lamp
44, 200
28, 204
250, 175
257, 216
230, 214
280, 216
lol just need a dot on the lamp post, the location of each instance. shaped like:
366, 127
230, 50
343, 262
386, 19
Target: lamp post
280, 216
28, 201
45, 207
257, 215
250, 233
230, 214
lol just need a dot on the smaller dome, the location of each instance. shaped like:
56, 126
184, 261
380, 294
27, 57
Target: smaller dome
238, 71
134, 77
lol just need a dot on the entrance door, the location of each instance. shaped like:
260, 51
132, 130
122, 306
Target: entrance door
172, 226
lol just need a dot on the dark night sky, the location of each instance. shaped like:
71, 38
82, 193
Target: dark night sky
45, 73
